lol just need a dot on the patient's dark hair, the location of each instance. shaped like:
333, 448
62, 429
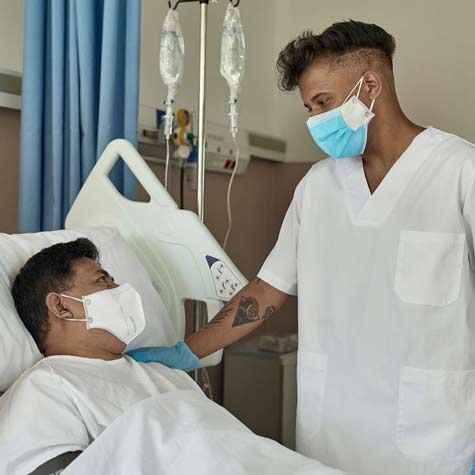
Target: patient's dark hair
51, 270
345, 42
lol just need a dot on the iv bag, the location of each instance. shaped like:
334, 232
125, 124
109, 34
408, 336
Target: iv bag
172, 52
233, 50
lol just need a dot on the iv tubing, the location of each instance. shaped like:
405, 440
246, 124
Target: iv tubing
228, 200
167, 167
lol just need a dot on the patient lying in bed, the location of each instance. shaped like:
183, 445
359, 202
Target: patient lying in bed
84, 382
127, 417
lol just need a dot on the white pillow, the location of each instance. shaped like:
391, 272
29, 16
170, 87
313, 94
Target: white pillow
18, 351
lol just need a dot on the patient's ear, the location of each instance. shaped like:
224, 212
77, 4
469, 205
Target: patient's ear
57, 306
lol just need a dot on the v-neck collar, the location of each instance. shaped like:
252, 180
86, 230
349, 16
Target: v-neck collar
368, 209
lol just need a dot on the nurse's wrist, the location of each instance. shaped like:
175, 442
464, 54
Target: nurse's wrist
188, 360
193, 347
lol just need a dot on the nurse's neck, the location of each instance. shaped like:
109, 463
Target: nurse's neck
390, 134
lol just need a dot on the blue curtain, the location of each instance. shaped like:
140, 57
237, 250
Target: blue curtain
80, 91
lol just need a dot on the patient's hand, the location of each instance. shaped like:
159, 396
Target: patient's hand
178, 357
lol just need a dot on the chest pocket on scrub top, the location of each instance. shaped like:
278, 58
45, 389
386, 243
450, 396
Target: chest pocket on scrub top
429, 267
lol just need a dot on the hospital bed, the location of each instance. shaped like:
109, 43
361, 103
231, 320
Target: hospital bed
180, 257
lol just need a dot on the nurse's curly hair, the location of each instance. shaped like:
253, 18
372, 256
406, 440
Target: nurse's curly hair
343, 43
50, 270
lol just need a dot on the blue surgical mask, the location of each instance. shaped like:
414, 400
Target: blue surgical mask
342, 132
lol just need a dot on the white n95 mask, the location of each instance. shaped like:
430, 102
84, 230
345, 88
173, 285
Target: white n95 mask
118, 311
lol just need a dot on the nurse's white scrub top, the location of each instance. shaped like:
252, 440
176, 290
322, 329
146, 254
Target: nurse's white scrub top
386, 292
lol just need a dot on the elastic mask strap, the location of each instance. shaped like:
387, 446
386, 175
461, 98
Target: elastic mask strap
358, 85
72, 298
68, 319
371, 105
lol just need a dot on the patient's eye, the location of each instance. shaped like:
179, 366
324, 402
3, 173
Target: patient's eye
105, 278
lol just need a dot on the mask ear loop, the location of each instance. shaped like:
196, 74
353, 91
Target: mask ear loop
370, 108
68, 319
358, 95
358, 85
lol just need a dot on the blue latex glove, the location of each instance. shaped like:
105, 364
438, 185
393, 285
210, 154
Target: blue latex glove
178, 357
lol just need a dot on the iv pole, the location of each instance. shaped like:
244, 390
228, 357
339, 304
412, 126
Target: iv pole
201, 102
202, 110
200, 198
201, 134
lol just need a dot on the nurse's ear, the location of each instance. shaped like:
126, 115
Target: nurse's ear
372, 85
58, 306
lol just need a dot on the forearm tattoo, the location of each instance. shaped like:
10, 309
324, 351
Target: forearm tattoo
268, 313
221, 315
248, 311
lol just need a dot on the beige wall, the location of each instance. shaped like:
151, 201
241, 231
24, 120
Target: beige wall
11, 34
9, 152
11, 51
434, 64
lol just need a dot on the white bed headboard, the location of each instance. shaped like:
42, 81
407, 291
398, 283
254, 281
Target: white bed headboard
181, 256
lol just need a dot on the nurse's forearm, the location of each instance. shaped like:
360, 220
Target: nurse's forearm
254, 304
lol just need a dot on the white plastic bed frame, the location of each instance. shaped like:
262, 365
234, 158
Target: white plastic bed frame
183, 259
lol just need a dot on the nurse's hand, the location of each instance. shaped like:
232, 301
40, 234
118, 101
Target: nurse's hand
178, 357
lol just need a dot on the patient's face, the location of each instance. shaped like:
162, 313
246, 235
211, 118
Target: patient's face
89, 277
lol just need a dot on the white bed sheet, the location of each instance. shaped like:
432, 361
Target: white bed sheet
185, 433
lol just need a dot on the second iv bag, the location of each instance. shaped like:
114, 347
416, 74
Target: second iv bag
233, 57
172, 52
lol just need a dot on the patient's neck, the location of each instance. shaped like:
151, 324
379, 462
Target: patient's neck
82, 351
72, 339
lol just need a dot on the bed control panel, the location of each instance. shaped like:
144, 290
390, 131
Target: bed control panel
226, 283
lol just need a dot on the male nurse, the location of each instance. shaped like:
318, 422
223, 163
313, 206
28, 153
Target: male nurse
378, 246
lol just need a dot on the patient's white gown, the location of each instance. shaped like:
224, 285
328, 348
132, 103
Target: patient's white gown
63, 403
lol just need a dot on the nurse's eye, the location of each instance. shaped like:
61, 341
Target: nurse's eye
323, 102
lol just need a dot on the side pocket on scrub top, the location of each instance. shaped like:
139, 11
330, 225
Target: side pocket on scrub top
436, 415
311, 382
